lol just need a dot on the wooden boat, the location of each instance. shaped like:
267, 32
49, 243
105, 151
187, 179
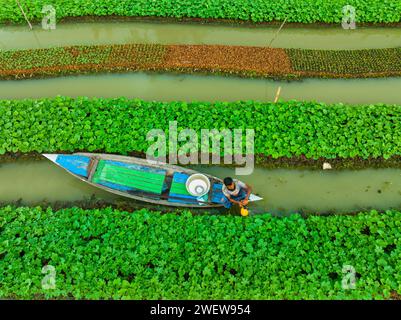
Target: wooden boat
140, 179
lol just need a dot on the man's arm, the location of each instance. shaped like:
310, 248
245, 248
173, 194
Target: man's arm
248, 193
232, 200
227, 195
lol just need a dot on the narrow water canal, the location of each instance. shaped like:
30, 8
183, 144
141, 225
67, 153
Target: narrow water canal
20, 37
164, 87
284, 191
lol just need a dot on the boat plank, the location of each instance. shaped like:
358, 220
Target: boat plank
92, 167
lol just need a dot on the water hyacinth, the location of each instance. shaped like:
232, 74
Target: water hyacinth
102, 254
284, 129
303, 11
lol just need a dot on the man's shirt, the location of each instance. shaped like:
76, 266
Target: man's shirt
238, 185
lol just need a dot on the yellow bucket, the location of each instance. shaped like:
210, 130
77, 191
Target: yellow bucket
244, 212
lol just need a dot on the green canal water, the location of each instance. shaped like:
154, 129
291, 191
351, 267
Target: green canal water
284, 191
20, 37
165, 87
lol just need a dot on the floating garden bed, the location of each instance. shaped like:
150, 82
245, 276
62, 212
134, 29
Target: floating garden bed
103, 254
305, 130
257, 11
245, 61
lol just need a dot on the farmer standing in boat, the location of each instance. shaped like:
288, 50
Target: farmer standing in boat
235, 192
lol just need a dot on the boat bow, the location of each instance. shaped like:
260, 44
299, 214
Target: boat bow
51, 157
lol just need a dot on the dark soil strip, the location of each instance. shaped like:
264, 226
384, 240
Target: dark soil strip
261, 160
122, 204
209, 21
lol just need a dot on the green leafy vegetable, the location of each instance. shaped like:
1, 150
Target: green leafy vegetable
304, 11
284, 129
103, 254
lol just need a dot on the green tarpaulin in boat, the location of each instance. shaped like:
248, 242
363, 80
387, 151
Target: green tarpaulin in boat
179, 188
138, 179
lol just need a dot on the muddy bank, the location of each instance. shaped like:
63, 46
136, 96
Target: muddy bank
223, 22
119, 204
261, 160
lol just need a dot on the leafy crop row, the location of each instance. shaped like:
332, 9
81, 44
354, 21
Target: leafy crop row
304, 11
145, 255
283, 129
239, 60
346, 63
18, 64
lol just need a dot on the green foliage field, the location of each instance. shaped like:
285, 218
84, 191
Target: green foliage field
303, 11
285, 129
146, 255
